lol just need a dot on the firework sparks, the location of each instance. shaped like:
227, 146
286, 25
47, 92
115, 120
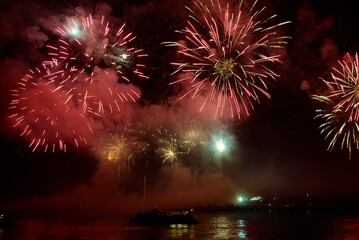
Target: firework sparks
336, 127
229, 54
191, 139
140, 133
117, 149
169, 152
169, 146
344, 87
222, 143
44, 106
94, 42
108, 96
340, 113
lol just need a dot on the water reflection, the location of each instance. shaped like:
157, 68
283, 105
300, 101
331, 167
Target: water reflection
241, 224
225, 227
222, 227
181, 231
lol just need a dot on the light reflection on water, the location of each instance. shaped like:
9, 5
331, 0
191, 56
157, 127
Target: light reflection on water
227, 225
221, 227
224, 227
181, 231
241, 231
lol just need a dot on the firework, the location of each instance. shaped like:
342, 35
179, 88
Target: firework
228, 53
344, 87
191, 140
106, 95
44, 108
117, 149
337, 127
222, 143
340, 113
140, 134
169, 152
169, 146
93, 42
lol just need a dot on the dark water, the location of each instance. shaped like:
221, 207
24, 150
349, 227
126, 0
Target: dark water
214, 225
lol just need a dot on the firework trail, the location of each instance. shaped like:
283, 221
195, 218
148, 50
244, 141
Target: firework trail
228, 53
340, 114
93, 42
44, 108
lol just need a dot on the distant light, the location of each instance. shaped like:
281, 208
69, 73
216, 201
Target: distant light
240, 199
124, 56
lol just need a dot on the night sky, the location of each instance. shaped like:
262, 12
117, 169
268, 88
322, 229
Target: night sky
277, 150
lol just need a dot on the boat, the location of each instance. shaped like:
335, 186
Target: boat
164, 217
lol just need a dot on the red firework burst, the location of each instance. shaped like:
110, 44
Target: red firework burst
93, 43
46, 110
228, 53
